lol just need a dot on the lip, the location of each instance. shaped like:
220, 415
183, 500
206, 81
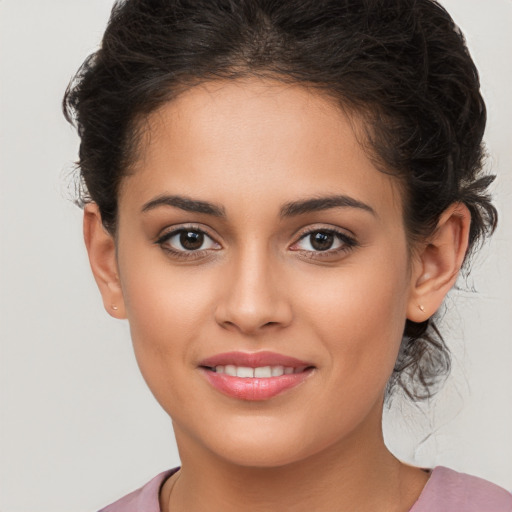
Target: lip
253, 360
254, 389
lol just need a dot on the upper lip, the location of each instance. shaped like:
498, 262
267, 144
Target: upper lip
253, 360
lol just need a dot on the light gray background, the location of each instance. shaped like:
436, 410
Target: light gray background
78, 426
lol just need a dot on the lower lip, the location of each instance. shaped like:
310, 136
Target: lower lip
254, 388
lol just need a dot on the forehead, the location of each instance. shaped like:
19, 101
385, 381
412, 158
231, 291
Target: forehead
269, 138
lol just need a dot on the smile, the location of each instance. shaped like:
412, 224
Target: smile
262, 372
254, 376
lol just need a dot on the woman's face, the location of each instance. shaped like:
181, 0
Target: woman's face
254, 232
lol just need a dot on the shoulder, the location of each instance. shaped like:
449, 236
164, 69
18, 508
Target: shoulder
145, 499
450, 491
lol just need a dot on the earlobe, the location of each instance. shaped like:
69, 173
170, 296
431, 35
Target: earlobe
438, 263
101, 249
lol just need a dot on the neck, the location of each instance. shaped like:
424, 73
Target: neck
356, 474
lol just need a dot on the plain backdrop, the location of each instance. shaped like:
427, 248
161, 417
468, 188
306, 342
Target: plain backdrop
78, 426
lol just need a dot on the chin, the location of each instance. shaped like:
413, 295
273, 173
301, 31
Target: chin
264, 444
267, 455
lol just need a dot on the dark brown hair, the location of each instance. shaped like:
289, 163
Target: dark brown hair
401, 65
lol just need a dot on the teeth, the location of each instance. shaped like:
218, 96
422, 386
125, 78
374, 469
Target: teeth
277, 371
229, 369
245, 372
261, 372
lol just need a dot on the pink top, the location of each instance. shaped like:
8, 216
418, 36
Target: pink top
446, 491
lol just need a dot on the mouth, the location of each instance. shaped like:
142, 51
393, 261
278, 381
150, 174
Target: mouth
254, 376
260, 372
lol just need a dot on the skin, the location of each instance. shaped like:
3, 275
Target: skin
250, 148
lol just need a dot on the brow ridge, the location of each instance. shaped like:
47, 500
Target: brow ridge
290, 209
322, 203
185, 203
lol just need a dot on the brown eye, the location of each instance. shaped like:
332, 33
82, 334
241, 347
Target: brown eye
324, 240
191, 240
187, 240
321, 240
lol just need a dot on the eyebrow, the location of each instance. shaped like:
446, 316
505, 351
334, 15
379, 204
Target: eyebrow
323, 203
185, 203
291, 209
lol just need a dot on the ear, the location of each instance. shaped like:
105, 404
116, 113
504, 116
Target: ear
101, 249
438, 262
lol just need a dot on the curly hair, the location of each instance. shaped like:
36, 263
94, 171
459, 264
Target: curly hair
401, 65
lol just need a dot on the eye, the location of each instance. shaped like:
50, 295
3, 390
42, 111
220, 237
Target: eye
185, 240
324, 241
319, 241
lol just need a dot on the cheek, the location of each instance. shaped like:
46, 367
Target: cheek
162, 300
168, 311
359, 314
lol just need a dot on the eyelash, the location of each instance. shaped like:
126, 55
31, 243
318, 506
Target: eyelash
347, 243
184, 254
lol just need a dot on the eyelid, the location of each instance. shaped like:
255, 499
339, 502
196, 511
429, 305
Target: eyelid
172, 231
348, 241
169, 231
329, 228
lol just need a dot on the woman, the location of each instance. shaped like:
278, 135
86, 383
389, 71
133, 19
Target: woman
278, 197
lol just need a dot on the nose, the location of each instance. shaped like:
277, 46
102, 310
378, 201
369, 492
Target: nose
254, 296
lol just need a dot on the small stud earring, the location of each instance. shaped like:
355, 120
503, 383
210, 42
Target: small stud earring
422, 308
114, 307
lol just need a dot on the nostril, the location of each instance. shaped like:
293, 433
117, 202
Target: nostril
249, 310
